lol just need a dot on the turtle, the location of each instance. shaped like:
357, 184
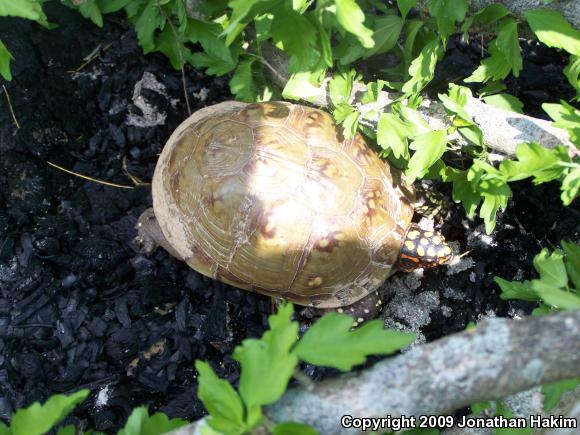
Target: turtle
271, 197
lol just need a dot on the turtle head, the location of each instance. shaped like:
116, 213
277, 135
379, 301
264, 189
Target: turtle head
424, 249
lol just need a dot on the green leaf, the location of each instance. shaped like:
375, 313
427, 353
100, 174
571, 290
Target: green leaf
551, 268
422, 68
348, 116
572, 73
4, 430
220, 400
554, 30
165, 43
534, 160
300, 87
141, 423
291, 428
553, 392
5, 58
386, 34
570, 186
447, 13
110, 6
516, 290
429, 147
351, 17
392, 134
501, 409
567, 117
414, 121
506, 102
479, 407
295, 34
331, 343
463, 191
373, 91
340, 86
492, 88
267, 364
495, 67
39, 419
411, 29
90, 9
148, 21
243, 11
30, 9
508, 44
553, 296
216, 57
493, 188
242, 83
486, 16
572, 262
405, 6
542, 310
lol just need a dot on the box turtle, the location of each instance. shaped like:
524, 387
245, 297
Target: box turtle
269, 197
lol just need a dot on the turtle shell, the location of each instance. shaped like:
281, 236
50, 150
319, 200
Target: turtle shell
270, 197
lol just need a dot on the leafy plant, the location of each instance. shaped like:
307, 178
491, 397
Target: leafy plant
559, 284
267, 364
29, 9
558, 288
38, 418
140, 422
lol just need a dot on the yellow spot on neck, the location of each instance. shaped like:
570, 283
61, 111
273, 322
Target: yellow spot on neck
413, 235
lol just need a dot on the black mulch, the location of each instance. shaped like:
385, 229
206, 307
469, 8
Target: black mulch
81, 308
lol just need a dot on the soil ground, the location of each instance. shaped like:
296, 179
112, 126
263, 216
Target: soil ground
80, 307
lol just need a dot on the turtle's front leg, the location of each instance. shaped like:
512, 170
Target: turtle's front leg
361, 311
150, 236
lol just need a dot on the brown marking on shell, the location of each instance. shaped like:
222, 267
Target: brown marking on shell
328, 271
358, 150
331, 183
267, 113
316, 127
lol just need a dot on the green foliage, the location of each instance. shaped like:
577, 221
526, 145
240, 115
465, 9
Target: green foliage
553, 392
447, 13
351, 17
559, 282
29, 9
5, 58
221, 401
268, 363
572, 73
38, 418
485, 17
502, 409
141, 423
290, 428
506, 102
331, 343
554, 30
422, 68
505, 55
